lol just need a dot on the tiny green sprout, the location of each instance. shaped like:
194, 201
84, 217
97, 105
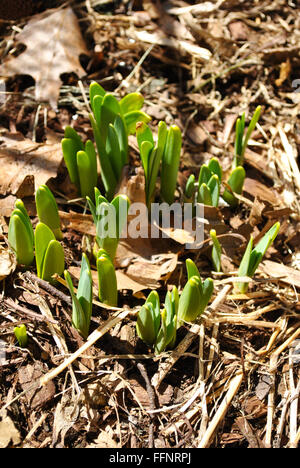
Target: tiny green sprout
112, 121
170, 164
110, 220
148, 320
81, 162
209, 184
253, 256
82, 302
155, 327
190, 189
195, 295
49, 253
108, 288
151, 155
241, 140
21, 335
20, 235
235, 183
216, 251
166, 337
47, 210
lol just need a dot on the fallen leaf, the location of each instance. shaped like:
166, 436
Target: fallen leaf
40, 397
286, 274
26, 165
54, 43
8, 433
7, 263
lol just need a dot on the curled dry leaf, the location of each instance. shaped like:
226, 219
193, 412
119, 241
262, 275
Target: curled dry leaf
26, 165
7, 263
54, 44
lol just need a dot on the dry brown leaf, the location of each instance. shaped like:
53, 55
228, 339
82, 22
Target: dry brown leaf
7, 263
286, 274
8, 433
54, 44
26, 165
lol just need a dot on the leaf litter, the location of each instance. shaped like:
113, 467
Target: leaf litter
240, 354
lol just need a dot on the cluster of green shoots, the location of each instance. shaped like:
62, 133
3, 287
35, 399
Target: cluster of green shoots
43, 243
112, 122
158, 328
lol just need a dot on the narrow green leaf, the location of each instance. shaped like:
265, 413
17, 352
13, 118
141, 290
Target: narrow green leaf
204, 195
244, 266
21, 335
170, 164
113, 151
216, 251
19, 238
190, 187
214, 189
215, 168
42, 238
190, 301
108, 290
131, 102
204, 175
251, 127
121, 130
47, 210
192, 269
132, 118
54, 261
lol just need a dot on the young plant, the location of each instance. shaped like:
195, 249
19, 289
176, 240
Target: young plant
166, 337
156, 328
190, 189
210, 177
20, 235
82, 302
241, 140
112, 122
81, 162
21, 335
108, 288
49, 253
47, 210
170, 164
195, 295
110, 220
235, 185
216, 251
151, 155
253, 256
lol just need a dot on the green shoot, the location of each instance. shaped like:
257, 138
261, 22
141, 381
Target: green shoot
82, 302
253, 256
170, 164
49, 253
21, 335
47, 210
110, 220
241, 140
216, 251
209, 184
20, 235
108, 289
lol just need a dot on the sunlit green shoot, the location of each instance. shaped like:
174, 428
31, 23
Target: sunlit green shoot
21, 335
20, 235
195, 295
82, 302
47, 210
253, 256
209, 183
81, 162
148, 320
242, 139
190, 189
110, 220
112, 122
151, 155
170, 164
108, 288
166, 337
49, 253
216, 251
235, 183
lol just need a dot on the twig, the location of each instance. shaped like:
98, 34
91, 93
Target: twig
222, 410
48, 287
152, 404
